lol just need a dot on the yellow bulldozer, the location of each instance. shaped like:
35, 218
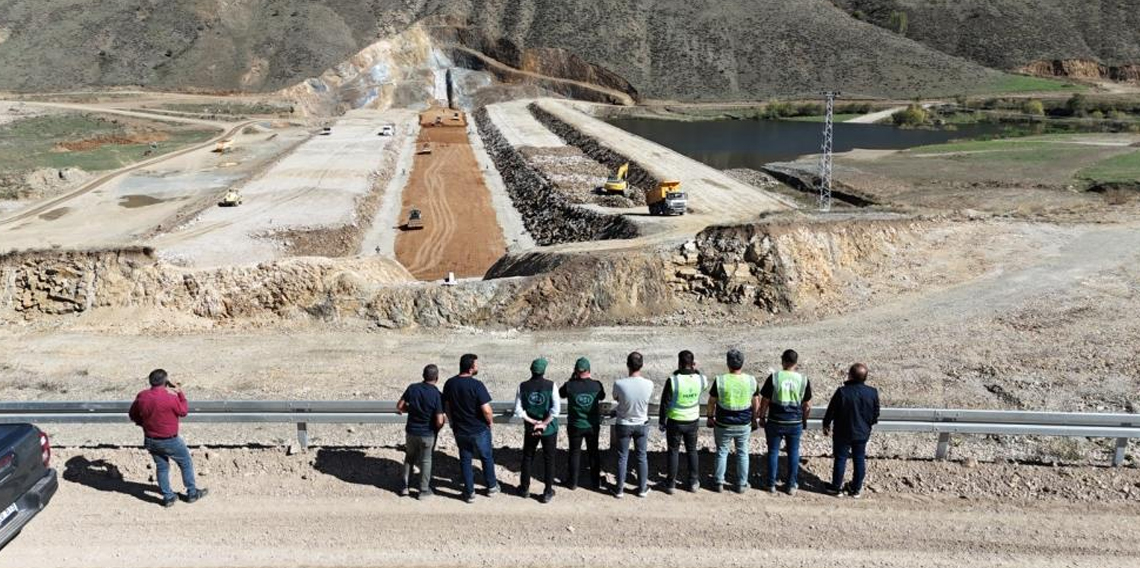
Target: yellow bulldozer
617, 183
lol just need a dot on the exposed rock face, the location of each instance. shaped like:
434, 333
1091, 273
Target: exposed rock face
1083, 69
549, 216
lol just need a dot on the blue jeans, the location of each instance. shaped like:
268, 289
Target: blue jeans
470, 447
639, 435
858, 451
775, 433
727, 436
172, 449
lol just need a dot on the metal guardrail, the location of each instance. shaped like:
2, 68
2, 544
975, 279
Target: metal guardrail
943, 422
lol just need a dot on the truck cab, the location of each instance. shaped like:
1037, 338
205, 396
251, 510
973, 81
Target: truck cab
27, 482
667, 199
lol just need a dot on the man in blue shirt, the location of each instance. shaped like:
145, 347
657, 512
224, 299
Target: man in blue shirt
853, 409
424, 407
468, 407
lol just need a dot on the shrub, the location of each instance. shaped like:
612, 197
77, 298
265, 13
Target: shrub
914, 115
1077, 105
1034, 107
898, 22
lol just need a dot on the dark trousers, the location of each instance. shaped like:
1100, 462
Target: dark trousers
858, 452
639, 435
530, 447
471, 447
590, 435
675, 434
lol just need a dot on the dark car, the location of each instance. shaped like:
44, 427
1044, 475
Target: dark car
27, 481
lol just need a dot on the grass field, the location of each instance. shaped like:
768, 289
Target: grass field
1125, 167
36, 142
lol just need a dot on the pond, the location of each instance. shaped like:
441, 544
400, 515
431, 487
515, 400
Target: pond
725, 144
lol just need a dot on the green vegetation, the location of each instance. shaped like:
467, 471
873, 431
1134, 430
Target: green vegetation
913, 116
1034, 107
898, 22
231, 109
1122, 168
36, 142
1025, 84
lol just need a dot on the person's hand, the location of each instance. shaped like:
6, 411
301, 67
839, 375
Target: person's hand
661, 427
711, 422
826, 430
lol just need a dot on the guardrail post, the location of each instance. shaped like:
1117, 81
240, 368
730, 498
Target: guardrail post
1118, 456
303, 436
943, 450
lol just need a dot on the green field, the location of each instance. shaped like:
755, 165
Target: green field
33, 143
1122, 168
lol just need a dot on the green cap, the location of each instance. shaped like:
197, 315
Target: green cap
582, 365
538, 366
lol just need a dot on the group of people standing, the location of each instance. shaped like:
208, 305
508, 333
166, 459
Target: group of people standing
737, 405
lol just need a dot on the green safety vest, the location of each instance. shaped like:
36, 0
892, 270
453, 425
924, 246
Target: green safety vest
787, 397
734, 392
686, 403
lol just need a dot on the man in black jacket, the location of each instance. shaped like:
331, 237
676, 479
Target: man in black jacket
854, 409
538, 406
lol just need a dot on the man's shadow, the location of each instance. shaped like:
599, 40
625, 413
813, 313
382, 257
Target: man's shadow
103, 475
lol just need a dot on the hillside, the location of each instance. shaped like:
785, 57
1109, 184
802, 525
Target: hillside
667, 49
1014, 34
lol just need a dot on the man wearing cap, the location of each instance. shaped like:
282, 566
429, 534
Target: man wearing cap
632, 396
537, 405
784, 415
733, 403
680, 418
583, 397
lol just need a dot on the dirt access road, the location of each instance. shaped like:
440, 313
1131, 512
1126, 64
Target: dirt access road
336, 508
461, 232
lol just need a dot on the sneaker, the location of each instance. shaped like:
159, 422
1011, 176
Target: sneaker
168, 503
857, 494
524, 493
769, 489
424, 495
668, 489
643, 494
791, 489
493, 490
197, 495
739, 489
718, 488
619, 494
469, 498
546, 497
571, 487
403, 492
832, 490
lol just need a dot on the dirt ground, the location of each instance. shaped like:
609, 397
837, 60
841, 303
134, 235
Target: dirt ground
335, 507
461, 232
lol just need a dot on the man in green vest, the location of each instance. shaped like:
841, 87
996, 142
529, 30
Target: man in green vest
784, 415
538, 406
583, 397
733, 403
680, 416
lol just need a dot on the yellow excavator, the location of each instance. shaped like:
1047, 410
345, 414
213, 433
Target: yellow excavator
617, 183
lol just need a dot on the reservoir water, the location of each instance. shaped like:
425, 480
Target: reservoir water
725, 144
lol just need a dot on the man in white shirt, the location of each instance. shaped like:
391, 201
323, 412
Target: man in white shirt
632, 395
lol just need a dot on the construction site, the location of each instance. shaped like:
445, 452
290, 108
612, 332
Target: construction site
429, 195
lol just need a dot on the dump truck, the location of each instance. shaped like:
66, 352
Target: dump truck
617, 183
224, 146
415, 221
667, 199
231, 199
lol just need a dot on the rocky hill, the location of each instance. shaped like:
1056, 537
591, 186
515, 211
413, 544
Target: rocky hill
1082, 38
666, 49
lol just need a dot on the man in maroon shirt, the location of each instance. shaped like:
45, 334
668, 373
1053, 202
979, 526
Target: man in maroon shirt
157, 410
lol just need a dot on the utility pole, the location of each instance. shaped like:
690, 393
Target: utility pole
825, 153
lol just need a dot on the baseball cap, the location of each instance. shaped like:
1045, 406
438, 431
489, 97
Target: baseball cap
582, 365
538, 366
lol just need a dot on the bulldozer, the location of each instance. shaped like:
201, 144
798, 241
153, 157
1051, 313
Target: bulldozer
231, 199
667, 199
617, 183
415, 221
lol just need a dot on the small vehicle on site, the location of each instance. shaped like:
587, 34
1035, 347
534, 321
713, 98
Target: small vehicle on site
388, 130
667, 199
424, 149
326, 131
232, 198
415, 221
224, 146
27, 481
617, 184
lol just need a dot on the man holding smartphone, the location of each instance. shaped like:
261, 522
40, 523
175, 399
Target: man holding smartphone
157, 410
